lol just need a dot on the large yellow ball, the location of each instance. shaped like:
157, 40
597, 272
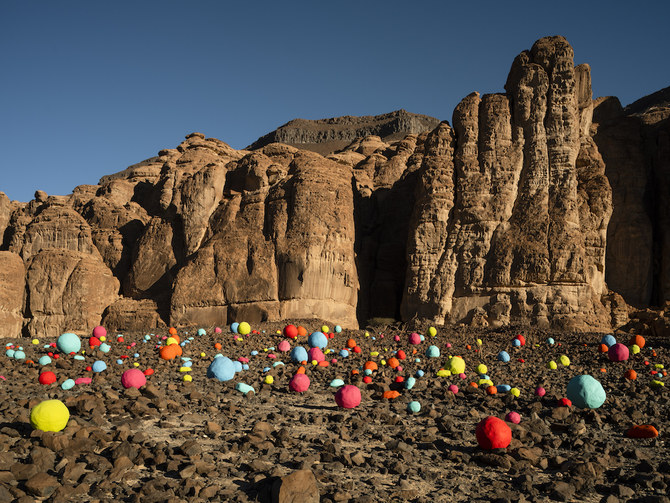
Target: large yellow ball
50, 415
457, 365
243, 328
432, 331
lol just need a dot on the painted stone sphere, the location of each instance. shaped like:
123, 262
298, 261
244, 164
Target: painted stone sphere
49, 415
69, 343
586, 392
133, 378
222, 368
348, 396
493, 433
618, 352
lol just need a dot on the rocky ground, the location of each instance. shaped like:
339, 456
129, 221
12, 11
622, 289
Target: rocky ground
204, 441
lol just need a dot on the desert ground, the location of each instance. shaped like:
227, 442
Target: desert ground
203, 440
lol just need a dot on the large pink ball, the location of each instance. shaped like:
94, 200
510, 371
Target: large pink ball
618, 352
299, 383
414, 338
348, 396
284, 346
315, 354
540, 391
99, 332
133, 378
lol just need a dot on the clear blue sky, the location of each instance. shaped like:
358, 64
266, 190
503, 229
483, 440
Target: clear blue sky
88, 88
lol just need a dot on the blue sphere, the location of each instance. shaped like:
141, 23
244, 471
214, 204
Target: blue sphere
299, 354
419, 373
234, 326
550, 341
516, 343
433, 352
503, 356
99, 366
344, 353
338, 329
317, 340
69, 343
608, 340
104, 347
202, 331
44, 360
238, 366
221, 368
503, 388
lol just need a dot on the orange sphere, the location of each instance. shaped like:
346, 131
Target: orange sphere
603, 348
370, 365
169, 352
393, 362
637, 340
491, 390
631, 374
172, 331
302, 331
351, 343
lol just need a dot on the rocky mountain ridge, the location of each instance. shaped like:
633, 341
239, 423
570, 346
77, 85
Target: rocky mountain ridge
327, 136
539, 206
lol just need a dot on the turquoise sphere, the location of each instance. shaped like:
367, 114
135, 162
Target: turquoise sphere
69, 343
433, 352
586, 392
413, 407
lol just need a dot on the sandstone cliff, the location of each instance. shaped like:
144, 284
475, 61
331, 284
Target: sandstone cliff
540, 205
326, 136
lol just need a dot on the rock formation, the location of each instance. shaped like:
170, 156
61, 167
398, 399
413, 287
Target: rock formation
540, 205
326, 136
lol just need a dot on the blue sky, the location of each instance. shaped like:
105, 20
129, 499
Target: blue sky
89, 88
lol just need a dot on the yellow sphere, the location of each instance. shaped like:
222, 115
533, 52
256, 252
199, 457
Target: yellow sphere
187, 378
325, 329
49, 415
102, 339
432, 331
243, 328
565, 360
269, 379
515, 392
635, 349
482, 369
457, 365
479, 342
552, 365
171, 340
36, 341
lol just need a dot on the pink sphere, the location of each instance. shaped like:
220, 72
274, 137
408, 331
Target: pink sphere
315, 354
414, 338
217, 330
618, 352
462, 375
453, 388
396, 338
99, 332
299, 383
284, 346
540, 391
448, 344
348, 396
133, 378
513, 417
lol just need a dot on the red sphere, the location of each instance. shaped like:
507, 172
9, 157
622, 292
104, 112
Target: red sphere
291, 331
299, 383
521, 339
133, 378
493, 433
47, 377
93, 341
348, 397
401, 354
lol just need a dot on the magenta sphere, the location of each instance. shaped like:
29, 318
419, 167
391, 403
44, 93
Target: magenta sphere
453, 388
217, 330
540, 391
348, 396
513, 417
133, 378
315, 354
299, 383
284, 346
99, 332
618, 352
414, 338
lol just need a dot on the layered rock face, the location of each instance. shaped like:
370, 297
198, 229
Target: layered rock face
635, 144
502, 218
513, 204
326, 136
